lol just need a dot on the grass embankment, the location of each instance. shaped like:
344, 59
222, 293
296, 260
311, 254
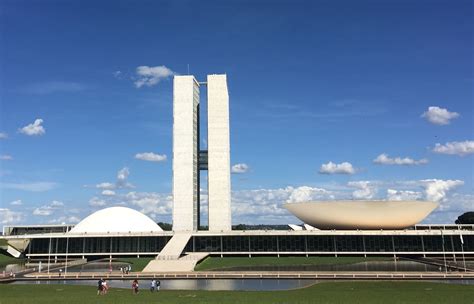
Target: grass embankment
137, 263
214, 263
327, 292
6, 259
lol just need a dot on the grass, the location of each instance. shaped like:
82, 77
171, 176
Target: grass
215, 263
6, 259
327, 292
137, 263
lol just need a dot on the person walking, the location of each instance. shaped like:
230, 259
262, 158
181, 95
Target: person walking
99, 286
158, 284
152, 285
135, 287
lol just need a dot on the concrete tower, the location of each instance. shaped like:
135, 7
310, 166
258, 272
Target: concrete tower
188, 159
185, 153
218, 143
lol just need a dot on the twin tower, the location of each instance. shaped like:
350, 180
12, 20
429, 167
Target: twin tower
189, 159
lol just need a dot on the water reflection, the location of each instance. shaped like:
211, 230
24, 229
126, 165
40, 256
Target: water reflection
405, 266
201, 284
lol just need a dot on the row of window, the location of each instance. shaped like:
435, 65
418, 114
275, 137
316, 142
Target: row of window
258, 244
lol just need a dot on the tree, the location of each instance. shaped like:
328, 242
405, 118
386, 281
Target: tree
165, 226
466, 218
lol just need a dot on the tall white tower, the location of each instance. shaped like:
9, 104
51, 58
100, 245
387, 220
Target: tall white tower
185, 153
188, 159
218, 143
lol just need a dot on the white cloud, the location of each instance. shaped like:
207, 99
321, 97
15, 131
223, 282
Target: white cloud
56, 204
239, 168
105, 186
439, 116
151, 203
262, 206
43, 211
33, 129
6, 157
65, 220
150, 156
150, 76
436, 189
8, 216
49, 209
305, 194
121, 183
332, 168
367, 189
33, 187
108, 192
97, 202
460, 148
118, 74
403, 195
16, 203
384, 159
3, 135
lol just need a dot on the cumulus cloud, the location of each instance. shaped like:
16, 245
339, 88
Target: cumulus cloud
108, 192
33, 129
366, 189
3, 135
6, 157
49, 209
332, 168
439, 116
239, 168
97, 202
403, 195
262, 206
150, 156
150, 203
384, 159
305, 194
16, 203
43, 211
436, 189
105, 185
65, 220
8, 216
460, 148
33, 187
150, 76
121, 183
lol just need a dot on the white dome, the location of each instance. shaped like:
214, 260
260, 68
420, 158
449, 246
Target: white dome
115, 220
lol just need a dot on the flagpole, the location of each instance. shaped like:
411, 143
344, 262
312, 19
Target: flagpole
462, 249
444, 252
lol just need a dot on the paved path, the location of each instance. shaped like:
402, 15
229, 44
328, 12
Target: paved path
255, 275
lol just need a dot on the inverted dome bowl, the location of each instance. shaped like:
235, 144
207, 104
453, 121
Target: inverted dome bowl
348, 215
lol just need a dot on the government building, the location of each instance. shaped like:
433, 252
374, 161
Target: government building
331, 228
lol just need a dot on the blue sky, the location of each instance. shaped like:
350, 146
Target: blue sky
319, 90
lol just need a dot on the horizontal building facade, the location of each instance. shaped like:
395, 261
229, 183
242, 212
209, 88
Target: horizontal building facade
414, 242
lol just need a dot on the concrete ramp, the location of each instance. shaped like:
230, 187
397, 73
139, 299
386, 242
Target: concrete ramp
183, 264
174, 247
170, 259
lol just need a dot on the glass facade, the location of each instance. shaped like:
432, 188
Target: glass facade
259, 244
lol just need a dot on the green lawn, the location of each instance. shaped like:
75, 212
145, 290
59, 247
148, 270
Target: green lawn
213, 263
327, 292
7, 259
137, 263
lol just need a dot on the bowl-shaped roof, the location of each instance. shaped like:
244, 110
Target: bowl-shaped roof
116, 220
362, 214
